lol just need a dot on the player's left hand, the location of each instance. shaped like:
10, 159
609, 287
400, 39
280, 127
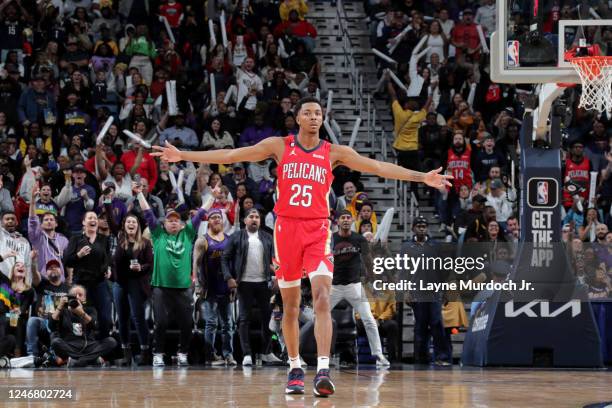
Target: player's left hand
436, 180
168, 153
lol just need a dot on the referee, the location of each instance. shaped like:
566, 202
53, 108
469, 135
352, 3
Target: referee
350, 252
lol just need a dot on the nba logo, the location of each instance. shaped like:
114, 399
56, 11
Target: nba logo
513, 54
542, 197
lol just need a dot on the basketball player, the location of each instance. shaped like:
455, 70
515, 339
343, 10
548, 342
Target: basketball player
302, 234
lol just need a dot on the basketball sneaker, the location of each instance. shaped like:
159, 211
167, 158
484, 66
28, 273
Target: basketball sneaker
381, 361
295, 382
158, 360
323, 385
182, 359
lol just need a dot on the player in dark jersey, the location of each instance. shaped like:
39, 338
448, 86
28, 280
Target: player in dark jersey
302, 230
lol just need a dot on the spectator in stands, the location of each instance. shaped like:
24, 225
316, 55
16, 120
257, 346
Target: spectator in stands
351, 261
6, 202
383, 307
349, 191
17, 297
142, 50
590, 229
513, 230
365, 215
87, 256
179, 135
485, 16
458, 161
36, 104
499, 200
576, 172
469, 216
145, 164
486, 158
116, 178
247, 268
49, 244
49, 291
13, 246
299, 28
82, 200
217, 305
426, 305
239, 175
155, 203
131, 266
172, 278
407, 119
75, 326
598, 148
287, 6
465, 39
217, 137
256, 132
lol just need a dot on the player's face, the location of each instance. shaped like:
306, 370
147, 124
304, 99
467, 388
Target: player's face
310, 117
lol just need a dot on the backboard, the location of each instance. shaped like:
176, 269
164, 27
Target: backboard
557, 26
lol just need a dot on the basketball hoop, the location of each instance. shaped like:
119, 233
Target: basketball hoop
595, 73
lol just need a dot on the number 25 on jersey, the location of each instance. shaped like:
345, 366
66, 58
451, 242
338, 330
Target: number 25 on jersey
302, 196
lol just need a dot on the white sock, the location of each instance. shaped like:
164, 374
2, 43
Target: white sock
322, 363
294, 362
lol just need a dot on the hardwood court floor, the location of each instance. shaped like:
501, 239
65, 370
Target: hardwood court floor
259, 387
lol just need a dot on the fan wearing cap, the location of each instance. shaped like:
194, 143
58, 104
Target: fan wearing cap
82, 199
239, 175
302, 232
172, 278
49, 290
465, 39
180, 135
426, 305
498, 199
351, 255
30, 108
576, 171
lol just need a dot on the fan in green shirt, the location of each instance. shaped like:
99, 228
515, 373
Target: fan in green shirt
172, 245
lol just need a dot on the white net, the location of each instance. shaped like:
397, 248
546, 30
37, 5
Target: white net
596, 76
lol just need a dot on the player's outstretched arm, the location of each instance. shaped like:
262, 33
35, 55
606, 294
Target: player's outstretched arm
267, 148
350, 158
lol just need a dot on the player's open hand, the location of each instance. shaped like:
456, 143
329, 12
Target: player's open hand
436, 180
168, 153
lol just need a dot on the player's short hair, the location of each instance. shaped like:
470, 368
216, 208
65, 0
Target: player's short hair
305, 100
